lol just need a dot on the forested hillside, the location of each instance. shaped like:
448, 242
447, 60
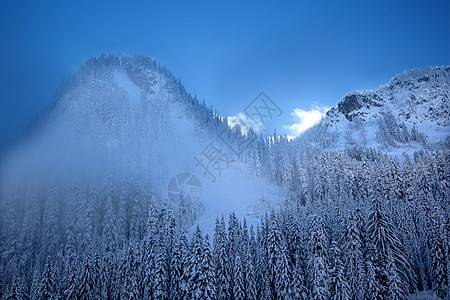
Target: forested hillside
91, 219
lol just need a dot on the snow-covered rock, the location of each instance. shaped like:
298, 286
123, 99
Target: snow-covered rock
411, 112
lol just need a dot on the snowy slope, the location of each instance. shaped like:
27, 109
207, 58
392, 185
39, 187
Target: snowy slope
415, 102
129, 121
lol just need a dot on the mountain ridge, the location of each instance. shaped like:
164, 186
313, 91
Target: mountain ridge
414, 105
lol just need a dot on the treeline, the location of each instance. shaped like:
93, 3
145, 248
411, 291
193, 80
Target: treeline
358, 229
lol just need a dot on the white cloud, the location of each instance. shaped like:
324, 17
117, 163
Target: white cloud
245, 123
305, 119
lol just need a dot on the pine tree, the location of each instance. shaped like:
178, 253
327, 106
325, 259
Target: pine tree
299, 290
47, 287
373, 289
438, 254
70, 284
209, 292
96, 272
239, 284
161, 271
108, 277
170, 244
283, 274
16, 291
176, 272
339, 288
186, 268
232, 245
384, 241
250, 280
353, 258
395, 288
274, 250
130, 288
263, 269
220, 258
318, 260
196, 281
87, 280
149, 264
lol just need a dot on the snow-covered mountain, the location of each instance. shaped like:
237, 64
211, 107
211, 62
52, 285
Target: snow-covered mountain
411, 112
98, 198
129, 123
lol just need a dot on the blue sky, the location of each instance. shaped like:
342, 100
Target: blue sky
301, 53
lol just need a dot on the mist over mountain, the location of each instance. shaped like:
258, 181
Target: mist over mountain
111, 191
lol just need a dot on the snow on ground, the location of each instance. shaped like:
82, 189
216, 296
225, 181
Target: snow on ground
122, 80
235, 191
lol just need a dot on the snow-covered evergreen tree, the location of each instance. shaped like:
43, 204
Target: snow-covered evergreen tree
16, 291
384, 243
47, 286
239, 281
318, 259
160, 273
220, 258
283, 277
87, 280
299, 290
339, 287
209, 289
353, 258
